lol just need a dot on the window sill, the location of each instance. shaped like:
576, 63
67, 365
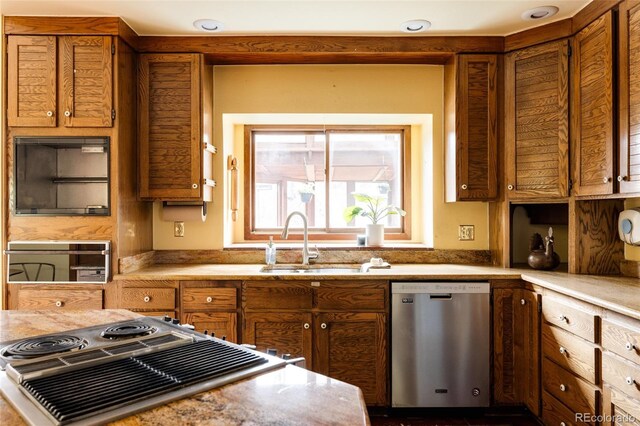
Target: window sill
329, 246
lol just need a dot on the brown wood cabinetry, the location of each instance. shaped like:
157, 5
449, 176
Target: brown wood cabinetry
505, 390
70, 77
537, 121
340, 327
592, 119
211, 306
148, 297
55, 296
629, 101
174, 127
471, 111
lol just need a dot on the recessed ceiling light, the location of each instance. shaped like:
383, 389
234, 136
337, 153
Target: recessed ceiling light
539, 13
415, 26
208, 25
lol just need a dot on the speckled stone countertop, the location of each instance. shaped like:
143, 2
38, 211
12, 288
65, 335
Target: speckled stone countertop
619, 294
288, 396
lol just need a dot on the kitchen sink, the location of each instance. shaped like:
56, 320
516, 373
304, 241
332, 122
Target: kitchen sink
315, 269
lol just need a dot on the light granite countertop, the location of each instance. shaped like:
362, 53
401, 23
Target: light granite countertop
287, 396
619, 294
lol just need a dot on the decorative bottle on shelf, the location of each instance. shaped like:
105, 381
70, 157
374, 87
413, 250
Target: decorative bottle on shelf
270, 252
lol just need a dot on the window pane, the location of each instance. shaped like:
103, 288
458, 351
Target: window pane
368, 163
289, 176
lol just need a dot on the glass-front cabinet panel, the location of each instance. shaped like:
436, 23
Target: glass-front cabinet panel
61, 176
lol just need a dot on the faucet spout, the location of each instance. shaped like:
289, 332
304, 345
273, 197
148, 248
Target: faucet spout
306, 254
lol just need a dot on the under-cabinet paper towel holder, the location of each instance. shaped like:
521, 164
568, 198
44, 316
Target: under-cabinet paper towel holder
629, 226
199, 204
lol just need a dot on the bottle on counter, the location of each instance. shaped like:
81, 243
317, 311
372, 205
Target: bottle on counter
270, 252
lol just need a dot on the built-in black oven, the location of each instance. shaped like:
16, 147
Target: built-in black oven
61, 176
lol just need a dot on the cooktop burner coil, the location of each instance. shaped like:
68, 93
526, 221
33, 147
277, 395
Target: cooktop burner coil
45, 345
127, 330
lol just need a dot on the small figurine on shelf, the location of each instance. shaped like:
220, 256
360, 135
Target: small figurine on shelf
542, 255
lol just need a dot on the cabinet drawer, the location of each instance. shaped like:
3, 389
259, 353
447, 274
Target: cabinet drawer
621, 374
555, 413
570, 352
202, 299
336, 296
60, 299
571, 318
622, 339
577, 394
143, 298
294, 295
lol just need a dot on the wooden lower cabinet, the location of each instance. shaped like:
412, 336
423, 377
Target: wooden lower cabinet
220, 324
147, 297
286, 332
54, 296
211, 306
619, 409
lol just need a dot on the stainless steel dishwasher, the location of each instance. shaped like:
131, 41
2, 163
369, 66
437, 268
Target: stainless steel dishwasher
440, 344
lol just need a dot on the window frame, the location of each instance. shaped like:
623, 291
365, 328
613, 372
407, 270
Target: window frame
340, 234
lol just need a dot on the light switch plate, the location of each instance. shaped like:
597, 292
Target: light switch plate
466, 232
178, 229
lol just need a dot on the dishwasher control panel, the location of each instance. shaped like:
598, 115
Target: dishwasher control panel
440, 287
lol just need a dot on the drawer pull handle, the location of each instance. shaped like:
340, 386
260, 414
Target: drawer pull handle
510, 187
523, 302
563, 388
59, 303
306, 326
67, 113
49, 113
464, 186
563, 424
323, 325
209, 299
629, 346
563, 318
563, 350
146, 299
629, 380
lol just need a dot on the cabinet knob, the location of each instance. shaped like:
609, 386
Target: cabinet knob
323, 325
49, 113
563, 318
563, 388
523, 302
510, 187
209, 299
463, 186
629, 346
67, 113
563, 424
146, 299
606, 179
563, 350
306, 326
629, 380
194, 186
59, 303
619, 178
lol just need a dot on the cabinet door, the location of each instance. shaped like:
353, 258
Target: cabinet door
288, 333
223, 324
629, 114
31, 84
352, 347
472, 127
505, 390
592, 109
537, 121
86, 81
527, 343
619, 409
169, 133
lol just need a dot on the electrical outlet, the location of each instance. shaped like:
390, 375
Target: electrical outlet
466, 232
178, 229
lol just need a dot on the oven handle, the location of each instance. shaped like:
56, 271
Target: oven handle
102, 252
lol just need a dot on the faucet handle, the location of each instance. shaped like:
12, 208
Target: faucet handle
315, 253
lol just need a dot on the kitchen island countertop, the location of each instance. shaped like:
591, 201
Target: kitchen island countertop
290, 395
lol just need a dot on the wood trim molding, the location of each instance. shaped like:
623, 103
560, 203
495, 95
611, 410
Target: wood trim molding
550, 32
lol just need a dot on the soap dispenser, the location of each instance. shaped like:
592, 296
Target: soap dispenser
270, 252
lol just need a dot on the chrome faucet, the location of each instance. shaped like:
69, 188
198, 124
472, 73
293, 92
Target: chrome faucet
306, 254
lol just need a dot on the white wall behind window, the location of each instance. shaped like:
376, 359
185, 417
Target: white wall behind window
328, 91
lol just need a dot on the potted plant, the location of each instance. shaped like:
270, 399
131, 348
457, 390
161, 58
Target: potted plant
306, 192
375, 209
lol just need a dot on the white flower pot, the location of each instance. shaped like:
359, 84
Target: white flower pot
375, 234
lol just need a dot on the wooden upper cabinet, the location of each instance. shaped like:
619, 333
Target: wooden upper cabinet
70, 77
537, 121
174, 95
471, 93
629, 114
31, 88
592, 119
86, 81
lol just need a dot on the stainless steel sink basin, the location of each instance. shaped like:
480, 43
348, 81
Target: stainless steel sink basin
315, 269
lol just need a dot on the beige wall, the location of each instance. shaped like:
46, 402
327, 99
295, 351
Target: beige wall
327, 93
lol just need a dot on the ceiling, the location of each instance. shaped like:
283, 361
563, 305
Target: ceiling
305, 17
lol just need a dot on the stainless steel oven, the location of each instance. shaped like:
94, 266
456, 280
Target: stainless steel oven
63, 262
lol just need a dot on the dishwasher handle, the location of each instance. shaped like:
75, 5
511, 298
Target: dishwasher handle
440, 296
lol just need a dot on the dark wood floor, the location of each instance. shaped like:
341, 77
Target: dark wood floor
449, 417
